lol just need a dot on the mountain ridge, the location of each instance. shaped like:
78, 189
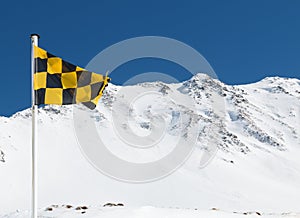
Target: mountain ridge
270, 79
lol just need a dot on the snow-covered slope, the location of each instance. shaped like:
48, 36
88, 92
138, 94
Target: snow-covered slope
255, 127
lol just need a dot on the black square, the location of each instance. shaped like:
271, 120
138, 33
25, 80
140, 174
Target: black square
83, 78
54, 81
40, 65
50, 55
68, 67
89, 105
39, 96
95, 88
69, 96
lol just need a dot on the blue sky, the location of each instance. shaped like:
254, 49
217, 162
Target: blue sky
244, 41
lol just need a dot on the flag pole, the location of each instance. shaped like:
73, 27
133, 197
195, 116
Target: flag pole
34, 41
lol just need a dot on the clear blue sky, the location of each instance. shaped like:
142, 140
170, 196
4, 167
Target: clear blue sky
244, 41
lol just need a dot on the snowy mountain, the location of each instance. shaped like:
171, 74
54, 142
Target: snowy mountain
245, 157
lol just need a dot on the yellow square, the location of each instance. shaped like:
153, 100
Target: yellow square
39, 53
39, 80
69, 80
96, 78
83, 94
79, 69
53, 96
54, 65
95, 100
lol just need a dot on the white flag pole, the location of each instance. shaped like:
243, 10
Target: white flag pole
34, 41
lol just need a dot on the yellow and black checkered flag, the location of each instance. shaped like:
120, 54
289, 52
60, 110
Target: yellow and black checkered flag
59, 82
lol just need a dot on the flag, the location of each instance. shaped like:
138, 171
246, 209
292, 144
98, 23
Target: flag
57, 81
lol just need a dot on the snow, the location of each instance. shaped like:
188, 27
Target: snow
256, 168
68, 211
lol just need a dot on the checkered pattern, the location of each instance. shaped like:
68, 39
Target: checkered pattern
59, 82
